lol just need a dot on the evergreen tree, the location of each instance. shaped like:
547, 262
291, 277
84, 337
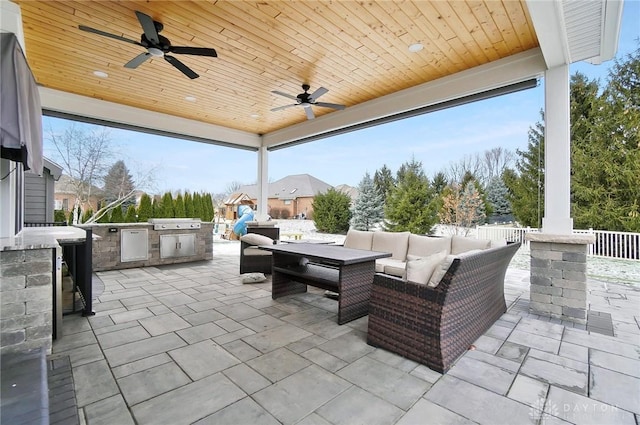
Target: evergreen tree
116, 215
145, 209
497, 196
178, 207
368, 207
412, 204
526, 182
130, 216
86, 215
105, 218
208, 200
606, 149
197, 206
167, 206
331, 212
118, 184
59, 216
383, 181
439, 182
188, 205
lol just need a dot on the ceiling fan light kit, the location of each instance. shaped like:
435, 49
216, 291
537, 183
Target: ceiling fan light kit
307, 100
156, 45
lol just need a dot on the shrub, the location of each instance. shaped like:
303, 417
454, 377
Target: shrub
284, 214
130, 217
116, 215
331, 211
59, 216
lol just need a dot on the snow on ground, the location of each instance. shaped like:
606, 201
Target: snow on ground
606, 269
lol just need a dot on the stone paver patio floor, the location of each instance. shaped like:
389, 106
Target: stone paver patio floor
192, 344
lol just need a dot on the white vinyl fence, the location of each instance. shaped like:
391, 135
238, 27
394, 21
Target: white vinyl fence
608, 244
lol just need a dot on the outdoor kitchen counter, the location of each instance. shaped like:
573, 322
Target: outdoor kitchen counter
43, 237
129, 245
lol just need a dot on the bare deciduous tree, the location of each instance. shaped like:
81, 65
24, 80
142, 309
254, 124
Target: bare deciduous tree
85, 155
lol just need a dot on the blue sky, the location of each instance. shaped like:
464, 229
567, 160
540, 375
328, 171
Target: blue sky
436, 139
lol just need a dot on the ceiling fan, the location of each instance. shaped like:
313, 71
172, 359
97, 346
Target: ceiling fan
156, 45
306, 100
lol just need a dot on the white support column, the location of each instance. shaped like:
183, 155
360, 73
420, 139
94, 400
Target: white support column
263, 181
557, 155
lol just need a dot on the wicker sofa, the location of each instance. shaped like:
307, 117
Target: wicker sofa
435, 325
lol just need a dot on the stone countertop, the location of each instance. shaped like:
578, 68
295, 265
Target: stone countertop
42, 237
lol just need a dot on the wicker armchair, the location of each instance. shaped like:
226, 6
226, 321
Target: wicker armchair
434, 326
258, 263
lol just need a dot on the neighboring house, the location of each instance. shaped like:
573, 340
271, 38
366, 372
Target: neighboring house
290, 196
65, 195
39, 193
350, 191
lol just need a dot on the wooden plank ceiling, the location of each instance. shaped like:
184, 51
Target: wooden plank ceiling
358, 50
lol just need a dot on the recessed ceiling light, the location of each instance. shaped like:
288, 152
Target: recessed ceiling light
190, 98
415, 47
255, 115
100, 74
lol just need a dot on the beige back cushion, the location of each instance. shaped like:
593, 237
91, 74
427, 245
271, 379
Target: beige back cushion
420, 269
461, 244
358, 239
424, 246
394, 242
498, 243
442, 268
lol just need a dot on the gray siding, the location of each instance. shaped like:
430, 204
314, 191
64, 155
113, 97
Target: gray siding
38, 197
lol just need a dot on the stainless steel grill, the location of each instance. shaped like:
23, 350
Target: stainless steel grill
175, 223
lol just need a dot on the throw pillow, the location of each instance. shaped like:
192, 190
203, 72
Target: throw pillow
420, 269
256, 239
253, 278
440, 271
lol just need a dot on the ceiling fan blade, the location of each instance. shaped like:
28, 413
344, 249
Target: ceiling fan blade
200, 51
106, 34
316, 94
309, 112
280, 108
288, 96
182, 67
148, 27
137, 61
330, 105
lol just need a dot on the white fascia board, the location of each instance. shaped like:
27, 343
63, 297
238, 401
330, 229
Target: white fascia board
548, 22
83, 106
11, 20
612, 20
500, 73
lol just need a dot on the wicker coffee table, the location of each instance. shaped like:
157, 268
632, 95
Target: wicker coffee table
349, 272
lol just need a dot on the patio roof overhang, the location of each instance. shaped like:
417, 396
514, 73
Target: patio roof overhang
469, 48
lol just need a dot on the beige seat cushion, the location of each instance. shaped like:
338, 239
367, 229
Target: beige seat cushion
424, 246
461, 244
420, 269
358, 239
394, 242
399, 271
256, 239
254, 250
382, 263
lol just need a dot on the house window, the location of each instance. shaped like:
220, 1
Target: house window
287, 202
57, 204
65, 204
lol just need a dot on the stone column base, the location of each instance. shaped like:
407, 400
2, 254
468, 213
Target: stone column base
559, 275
